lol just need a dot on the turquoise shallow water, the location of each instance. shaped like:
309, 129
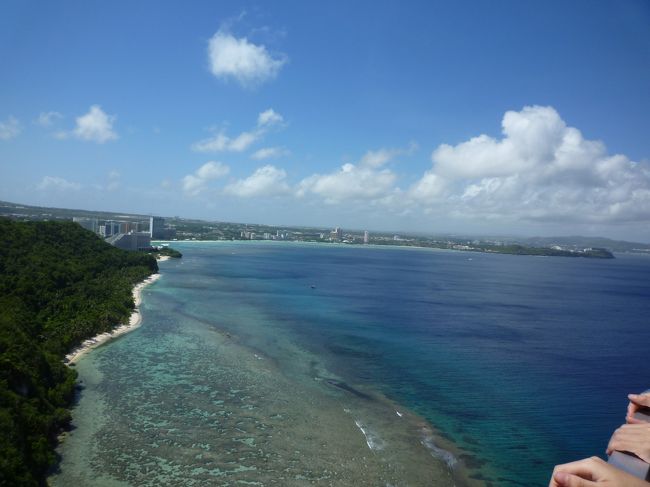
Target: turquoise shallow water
285, 364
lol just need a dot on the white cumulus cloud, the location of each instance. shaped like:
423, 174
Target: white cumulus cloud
58, 184
238, 58
363, 181
196, 182
220, 142
94, 126
350, 182
265, 181
10, 128
541, 170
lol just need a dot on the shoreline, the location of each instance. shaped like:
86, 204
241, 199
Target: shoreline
134, 322
415, 247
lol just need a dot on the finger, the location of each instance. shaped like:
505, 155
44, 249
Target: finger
632, 415
564, 479
615, 440
616, 444
626, 436
642, 429
611, 446
583, 468
640, 399
626, 430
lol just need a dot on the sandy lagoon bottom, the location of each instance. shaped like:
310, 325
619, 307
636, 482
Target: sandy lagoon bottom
180, 401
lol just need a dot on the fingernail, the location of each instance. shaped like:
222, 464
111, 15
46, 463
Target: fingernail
561, 477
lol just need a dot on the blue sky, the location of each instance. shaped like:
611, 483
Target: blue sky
485, 117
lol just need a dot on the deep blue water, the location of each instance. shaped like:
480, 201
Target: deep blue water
524, 362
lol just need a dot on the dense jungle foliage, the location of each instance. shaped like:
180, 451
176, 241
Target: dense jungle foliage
59, 284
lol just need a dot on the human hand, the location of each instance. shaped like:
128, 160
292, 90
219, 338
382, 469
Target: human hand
593, 472
634, 438
637, 401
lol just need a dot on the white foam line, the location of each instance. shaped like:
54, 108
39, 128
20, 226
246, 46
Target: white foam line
436, 451
372, 440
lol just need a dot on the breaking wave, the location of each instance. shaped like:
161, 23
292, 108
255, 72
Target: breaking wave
373, 441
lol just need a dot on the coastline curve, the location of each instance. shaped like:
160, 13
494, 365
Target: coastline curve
134, 322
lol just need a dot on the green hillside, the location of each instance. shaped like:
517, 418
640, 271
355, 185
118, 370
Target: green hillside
59, 284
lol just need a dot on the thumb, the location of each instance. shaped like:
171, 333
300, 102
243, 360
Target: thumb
640, 399
564, 479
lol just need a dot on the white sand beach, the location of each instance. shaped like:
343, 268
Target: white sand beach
134, 322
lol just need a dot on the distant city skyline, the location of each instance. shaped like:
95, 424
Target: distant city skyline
483, 118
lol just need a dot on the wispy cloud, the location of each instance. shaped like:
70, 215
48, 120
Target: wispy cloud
238, 58
114, 181
379, 157
47, 119
269, 153
10, 128
220, 142
57, 184
269, 118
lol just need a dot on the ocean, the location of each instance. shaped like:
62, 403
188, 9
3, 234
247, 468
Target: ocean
267, 363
